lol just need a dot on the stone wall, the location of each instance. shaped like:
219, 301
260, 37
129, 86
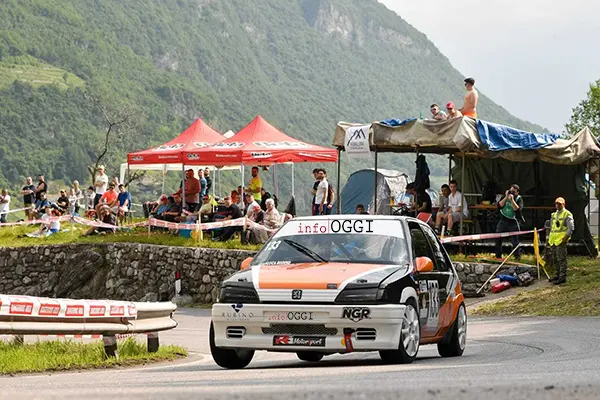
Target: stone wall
473, 275
141, 272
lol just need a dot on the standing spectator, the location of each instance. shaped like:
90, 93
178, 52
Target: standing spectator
321, 193
115, 181
264, 197
510, 207
330, 197
192, 190
109, 198
72, 202
4, 206
452, 111
77, 195
209, 181
123, 203
232, 211
100, 184
63, 202
469, 108
29, 200
255, 185
437, 113
42, 187
203, 185
314, 189
562, 228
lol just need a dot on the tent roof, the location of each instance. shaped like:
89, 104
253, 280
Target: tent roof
461, 135
196, 136
259, 143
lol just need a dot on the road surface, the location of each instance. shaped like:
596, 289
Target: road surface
511, 358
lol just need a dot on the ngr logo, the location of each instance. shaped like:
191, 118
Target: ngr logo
356, 314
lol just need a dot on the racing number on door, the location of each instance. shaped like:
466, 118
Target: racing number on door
273, 245
433, 312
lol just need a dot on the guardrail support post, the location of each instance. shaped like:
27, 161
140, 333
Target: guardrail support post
110, 345
153, 342
18, 340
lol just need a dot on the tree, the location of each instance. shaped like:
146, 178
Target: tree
587, 112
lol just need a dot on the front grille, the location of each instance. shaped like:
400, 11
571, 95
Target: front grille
235, 332
366, 334
290, 329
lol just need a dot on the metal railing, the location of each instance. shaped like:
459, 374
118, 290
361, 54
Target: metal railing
26, 315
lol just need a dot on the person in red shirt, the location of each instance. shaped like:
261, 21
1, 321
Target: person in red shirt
109, 198
192, 191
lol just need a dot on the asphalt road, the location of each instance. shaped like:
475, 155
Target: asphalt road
532, 358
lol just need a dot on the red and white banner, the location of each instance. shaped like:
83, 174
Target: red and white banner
484, 236
65, 308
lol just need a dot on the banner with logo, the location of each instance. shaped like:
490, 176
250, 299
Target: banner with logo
356, 142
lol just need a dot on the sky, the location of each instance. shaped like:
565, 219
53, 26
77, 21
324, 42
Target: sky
536, 58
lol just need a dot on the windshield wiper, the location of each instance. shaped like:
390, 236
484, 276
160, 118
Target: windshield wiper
305, 250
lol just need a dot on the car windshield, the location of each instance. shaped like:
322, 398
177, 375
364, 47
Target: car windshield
345, 248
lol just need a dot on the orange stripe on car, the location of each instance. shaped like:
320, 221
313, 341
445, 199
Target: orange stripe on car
309, 275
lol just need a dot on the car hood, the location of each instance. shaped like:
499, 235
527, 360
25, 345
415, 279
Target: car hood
318, 275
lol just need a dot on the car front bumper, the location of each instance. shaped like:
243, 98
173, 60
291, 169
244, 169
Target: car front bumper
297, 327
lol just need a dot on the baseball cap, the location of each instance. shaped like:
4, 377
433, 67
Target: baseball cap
450, 105
559, 200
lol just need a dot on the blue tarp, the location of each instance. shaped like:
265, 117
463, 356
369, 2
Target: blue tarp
396, 122
499, 137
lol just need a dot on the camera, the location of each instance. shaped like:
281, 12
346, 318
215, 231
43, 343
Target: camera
511, 191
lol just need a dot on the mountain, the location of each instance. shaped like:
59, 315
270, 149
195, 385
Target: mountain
301, 64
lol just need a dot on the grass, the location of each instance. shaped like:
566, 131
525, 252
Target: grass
36, 73
10, 237
580, 296
65, 355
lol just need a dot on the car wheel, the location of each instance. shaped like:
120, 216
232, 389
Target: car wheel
410, 337
229, 358
309, 356
455, 344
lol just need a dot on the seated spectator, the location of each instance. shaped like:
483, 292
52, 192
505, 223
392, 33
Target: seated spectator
442, 203
48, 227
41, 205
109, 198
438, 114
251, 205
206, 210
422, 202
456, 210
160, 207
63, 202
175, 209
271, 221
106, 217
452, 111
123, 203
231, 211
360, 209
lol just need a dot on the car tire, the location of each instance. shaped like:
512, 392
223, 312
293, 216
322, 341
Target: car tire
309, 356
229, 358
410, 336
454, 344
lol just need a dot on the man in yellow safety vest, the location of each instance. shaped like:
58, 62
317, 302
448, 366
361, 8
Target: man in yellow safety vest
562, 227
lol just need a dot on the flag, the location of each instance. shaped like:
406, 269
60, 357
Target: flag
536, 248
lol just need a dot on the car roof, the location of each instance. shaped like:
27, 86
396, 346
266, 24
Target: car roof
354, 216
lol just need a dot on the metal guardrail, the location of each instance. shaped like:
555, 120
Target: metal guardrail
26, 315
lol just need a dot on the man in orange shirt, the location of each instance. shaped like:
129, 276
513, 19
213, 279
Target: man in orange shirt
109, 198
469, 108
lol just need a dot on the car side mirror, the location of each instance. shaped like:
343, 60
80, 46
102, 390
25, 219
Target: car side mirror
246, 263
424, 264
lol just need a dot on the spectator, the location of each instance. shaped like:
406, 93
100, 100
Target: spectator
510, 207
29, 196
100, 185
442, 203
251, 206
314, 189
264, 195
76, 196
192, 190
106, 217
115, 181
161, 207
4, 206
422, 202
271, 220
63, 202
175, 209
48, 227
42, 187
203, 185
232, 211
457, 209
438, 114
330, 197
109, 198
452, 111
123, 203
255, 185
469, 108
206, 211
41, 205
235, 197
360, 209
208, 180
321, 193
72, 202
90, 199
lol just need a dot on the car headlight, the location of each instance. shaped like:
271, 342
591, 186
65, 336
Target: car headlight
358, 294
238, 292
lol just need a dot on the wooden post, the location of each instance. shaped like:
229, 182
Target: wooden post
375, 183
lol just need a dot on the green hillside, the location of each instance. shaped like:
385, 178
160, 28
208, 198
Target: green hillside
302, 64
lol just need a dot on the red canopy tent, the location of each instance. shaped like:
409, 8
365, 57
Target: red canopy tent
259, 143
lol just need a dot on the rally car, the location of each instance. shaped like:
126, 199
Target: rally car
339, 284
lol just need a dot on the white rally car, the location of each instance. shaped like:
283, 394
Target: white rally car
339, 284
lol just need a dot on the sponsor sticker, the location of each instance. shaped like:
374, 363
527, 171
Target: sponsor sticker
340, 225
49, 309
356, 314
117, 310
97, 311
237, 313
21, 308
296, 294
290, 316
304, 341
74, 310
261, 155
137, 158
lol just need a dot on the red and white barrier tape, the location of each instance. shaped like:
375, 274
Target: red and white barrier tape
65, 308
484, 236
15, 210
45, 221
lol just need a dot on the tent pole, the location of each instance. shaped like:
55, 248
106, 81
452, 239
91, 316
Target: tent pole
275, 180
128, 177
589, 189
462, 191
339, 194
292, 180
242, 187
164, 173
182, 185
598, 188
375, 183
449, 168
